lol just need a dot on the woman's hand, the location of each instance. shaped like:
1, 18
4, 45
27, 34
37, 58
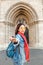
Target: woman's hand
13, 39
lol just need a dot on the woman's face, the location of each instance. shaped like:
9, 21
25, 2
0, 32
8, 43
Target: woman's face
22, 28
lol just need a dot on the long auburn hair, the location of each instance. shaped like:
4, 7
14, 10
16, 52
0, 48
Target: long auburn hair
18, 26
26, 31
27, 34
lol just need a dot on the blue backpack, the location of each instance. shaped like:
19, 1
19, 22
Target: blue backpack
10, 50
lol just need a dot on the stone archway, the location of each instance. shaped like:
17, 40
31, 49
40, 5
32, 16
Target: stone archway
24, 11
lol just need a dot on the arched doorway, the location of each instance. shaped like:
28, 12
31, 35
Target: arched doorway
25, 13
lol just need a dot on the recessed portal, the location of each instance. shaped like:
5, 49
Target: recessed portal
22, 12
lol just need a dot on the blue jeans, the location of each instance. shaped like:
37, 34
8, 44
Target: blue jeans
18, 63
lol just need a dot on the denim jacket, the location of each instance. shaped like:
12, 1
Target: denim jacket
19, 56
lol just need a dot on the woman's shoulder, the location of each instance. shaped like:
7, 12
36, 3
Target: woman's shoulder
18, 36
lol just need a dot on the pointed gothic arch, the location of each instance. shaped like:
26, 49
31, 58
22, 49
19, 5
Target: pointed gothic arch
24, 11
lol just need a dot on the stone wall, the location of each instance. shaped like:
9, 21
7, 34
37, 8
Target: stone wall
41, 33
35, 30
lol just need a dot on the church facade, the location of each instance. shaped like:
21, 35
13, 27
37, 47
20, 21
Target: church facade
29, 12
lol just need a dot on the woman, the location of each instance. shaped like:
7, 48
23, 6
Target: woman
20, 57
